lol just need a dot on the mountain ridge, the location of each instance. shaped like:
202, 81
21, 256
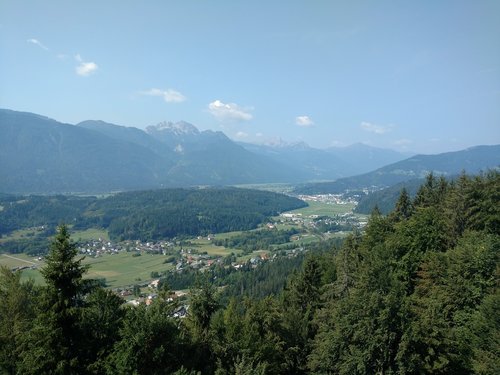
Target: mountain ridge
471, 160
41, 155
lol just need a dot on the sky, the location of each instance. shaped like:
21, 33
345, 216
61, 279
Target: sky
419, 76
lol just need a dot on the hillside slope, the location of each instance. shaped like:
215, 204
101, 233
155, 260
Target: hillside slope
471, 160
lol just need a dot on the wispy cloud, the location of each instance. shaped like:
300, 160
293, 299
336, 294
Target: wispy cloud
304, 121
85, 68
374, 128
229, 111
169, 95
36, 42
241, 134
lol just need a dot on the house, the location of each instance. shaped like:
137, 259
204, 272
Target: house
154, 284
180, 312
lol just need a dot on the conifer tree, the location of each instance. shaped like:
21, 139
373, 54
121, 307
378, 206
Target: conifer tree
404, 207
52, 345
16, 313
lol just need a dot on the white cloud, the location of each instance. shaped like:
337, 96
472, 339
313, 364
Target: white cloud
169, 95
259, 134
241, 135
229, 111
85, 68
37, 43
377, 129
304, 121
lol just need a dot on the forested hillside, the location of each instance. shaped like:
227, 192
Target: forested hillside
145, 215
448, 164
385, 199
416, 293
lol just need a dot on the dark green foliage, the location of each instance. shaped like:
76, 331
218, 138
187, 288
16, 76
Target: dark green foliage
145, 215
416, 293
258, 240
301, 300
101, 321
404, 207
149, 342
419, 288
204, 304
17, 310
169, 213
52, 345
387, 198
485, 334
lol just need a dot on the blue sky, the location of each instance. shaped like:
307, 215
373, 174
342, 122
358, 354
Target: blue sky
421, 76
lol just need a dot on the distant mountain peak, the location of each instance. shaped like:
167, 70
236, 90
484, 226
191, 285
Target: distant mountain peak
177, 128
281, 143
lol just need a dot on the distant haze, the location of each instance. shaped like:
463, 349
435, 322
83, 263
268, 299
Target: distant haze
415, 76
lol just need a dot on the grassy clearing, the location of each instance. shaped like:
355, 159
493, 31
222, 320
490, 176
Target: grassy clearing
90, 234
18, 260
124, 269
119, 269
324, 209
275, 188
202, 244
22, 260
18, 235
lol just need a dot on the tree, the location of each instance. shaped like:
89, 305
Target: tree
52, 345
404, 207
203, 306
150, 342
17, 310
301, 299
102, 318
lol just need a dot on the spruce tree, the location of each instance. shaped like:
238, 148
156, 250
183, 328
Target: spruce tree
52, 345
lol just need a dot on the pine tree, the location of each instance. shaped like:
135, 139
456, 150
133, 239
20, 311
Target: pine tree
52, 345
404, 207
16, 313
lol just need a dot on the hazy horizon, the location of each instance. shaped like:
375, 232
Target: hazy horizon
419, 77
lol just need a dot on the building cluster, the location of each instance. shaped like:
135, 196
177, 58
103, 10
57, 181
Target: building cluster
98, 247
330, 198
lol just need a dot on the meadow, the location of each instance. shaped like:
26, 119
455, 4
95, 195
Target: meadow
118, 269
123, 269
324, 209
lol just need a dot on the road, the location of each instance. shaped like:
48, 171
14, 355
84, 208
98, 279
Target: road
22, 260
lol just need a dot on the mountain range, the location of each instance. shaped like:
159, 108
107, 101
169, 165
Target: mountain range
42, 155
471, 160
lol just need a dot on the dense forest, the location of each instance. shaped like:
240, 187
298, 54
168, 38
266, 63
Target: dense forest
257, 240
386, 199
416, 293
143, 215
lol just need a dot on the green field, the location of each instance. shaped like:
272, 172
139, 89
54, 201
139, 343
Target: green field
214, 250
18, 235
119, 270
324, 209
20, 260
124, 269
90, 234
17, 260
275, 188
